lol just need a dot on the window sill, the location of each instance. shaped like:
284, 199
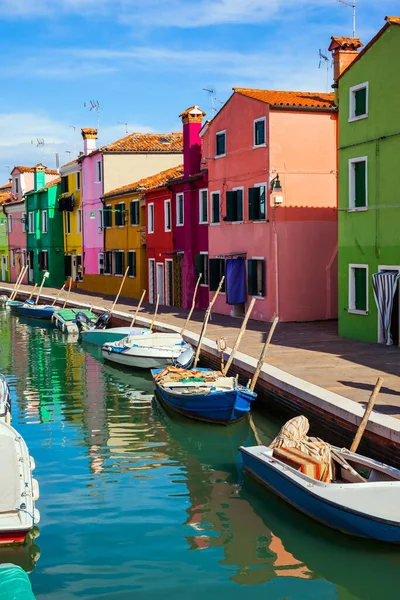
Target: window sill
255, 146
219, 156
204, 285
167, 230
261, 221
203, 222
353, 311
150, 232
214, 224
117, 275
237, 222
131, 276
180, 225
257, 297
357, 209
359, 118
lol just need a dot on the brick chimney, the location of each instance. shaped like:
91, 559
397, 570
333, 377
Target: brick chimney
192, 122
89, 140
39, 177
344, 51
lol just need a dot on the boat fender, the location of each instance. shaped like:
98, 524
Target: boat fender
36, 516
33, 464
35, 489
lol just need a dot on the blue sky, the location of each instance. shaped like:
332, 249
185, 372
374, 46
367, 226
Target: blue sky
147, 60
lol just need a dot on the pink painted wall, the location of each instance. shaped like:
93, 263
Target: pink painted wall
301, 147
93, 238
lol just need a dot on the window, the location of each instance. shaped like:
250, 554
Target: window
150, 218
215, 207
259, 132
31, 222
358, 288
256, 277
44, 221
120, 214
107, 216
12, 257
118, 257
217, 271
234, 205
43, 260
79, 221
132, 263
203, 206
98, 171
134, 213
201, 266
358, 102
78, 180
9, 222
220, 143
107, 263
257, 206
169, 282
100, 263
100, 220
152, 280
16, 185
179, 210
64, 184
67, 223
358, 183
23, 222
167, 215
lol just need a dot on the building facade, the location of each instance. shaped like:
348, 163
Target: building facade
272, 204
5, 194
70, 206
369, 179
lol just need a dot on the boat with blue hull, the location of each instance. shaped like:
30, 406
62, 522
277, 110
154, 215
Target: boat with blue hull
367, 508
36, 311
203, 394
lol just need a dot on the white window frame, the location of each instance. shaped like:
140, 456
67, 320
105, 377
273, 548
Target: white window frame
9, 223
78, 180
132, 252
200, 206
44, 223
264, 119
113, 253
31, 222
108, 209
166, 282
24, 222
258, 185
47, 259
211, 208
100, 221
99, 171
216, 134
67, 222
208, 271
130, 204
243, 219
100, 261
167, 211
352, 183
12, 258
261, 258
352, 101
178, 197
351, 309
153, 282
79, 220
150, 210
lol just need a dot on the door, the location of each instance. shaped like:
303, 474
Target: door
31, 257
169, 285
160, 282
394, 322
3, 267
74, 265
388, 304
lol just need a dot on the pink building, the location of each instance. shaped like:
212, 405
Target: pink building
22, 182
272, 196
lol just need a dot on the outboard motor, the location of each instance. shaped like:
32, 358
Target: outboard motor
83, 321
186, 358
103, 320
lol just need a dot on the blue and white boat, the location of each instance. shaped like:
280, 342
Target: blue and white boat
99, 337
14, 304
5, 400
203, 394
36, 311
362, 500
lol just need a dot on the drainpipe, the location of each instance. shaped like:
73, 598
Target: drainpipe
276, 262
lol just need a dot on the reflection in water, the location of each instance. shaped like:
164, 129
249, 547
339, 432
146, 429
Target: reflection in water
136, 504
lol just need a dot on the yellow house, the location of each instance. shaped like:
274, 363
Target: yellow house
70, 205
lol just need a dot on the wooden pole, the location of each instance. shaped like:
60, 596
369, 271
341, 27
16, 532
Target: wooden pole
193, 305
18, 282
263, 353
368, 410
58, 295
45, 276
155, 312
33, 291
137, 309
69, 290
239, 337
205, 322
120, 289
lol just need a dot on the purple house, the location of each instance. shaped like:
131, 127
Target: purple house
190, 215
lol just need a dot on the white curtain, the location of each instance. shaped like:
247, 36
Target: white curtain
385, 285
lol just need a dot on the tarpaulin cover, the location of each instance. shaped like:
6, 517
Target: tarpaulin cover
14, 583
235, 281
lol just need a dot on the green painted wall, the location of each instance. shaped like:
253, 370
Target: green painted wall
53, 240
4, 245
371, 236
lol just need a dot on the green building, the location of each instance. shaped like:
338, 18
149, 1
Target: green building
5, 193
368, 93
44, 231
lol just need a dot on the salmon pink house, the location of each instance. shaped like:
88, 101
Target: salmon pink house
272, 172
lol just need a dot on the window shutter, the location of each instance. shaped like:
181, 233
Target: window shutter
215, 208
137, 219
361, 102
133, 264
360, 284
122, 213
231, 206
254, 204
252, 277
359, 179
262, 266
214, 274
239, 205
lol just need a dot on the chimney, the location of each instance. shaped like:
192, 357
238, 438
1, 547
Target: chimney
344, 51
89, 140
39, 177
192, 122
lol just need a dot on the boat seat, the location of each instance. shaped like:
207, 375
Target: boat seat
9, 488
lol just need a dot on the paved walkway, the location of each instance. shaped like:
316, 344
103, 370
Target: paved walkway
311, 351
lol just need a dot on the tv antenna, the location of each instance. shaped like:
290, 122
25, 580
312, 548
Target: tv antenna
39, 142
353, 6
126, 126
211, 92
94, 105
324, 60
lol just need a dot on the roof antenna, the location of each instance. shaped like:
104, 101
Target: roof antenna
353, 6
94, 105
211, 92
324, 59
39, 144
126, 126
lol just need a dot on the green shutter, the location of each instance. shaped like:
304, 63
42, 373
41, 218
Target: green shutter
122, 213
254, 204
360, 102
131, 213
360, 199
252, 277
215, 207
231, 206
360, 287
214, 274
239, 206
137, 218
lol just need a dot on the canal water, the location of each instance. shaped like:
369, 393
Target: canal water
138, 504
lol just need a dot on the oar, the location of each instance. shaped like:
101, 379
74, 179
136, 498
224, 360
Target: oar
18, 282
205, 322
155, 312
193, 305
68, 293
120, 289
45, 276
33, 291
137, 309
58, 295
263, 353
239, 337
368, 410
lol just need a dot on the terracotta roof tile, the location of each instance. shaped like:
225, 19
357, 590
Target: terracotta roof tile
147, 142
4, 196
71, 162
393, 20
148, 183
6, 186
289, 99
23, 169
345, 43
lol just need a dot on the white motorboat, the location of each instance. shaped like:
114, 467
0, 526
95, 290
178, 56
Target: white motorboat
150, 351
18, 489
5, 400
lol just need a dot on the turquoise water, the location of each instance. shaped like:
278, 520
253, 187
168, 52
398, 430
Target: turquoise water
137, 504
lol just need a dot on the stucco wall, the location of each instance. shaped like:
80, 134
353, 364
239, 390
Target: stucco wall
121, 169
